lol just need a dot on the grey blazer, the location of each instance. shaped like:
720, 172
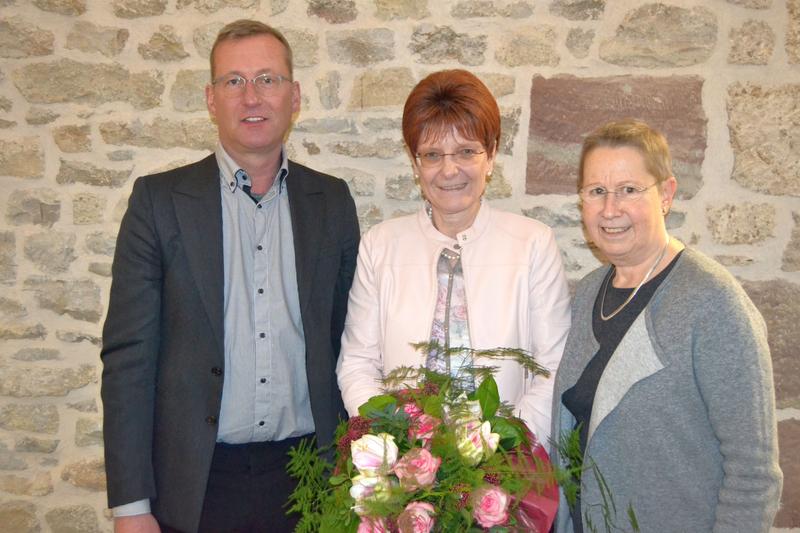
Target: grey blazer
163, 338
683, 424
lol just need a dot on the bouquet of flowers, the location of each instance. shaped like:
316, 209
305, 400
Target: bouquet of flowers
429, 455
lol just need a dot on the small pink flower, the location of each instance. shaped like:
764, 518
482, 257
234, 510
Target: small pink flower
423, 428
372, 525
417, 469
412, 410
416, 518
490, 506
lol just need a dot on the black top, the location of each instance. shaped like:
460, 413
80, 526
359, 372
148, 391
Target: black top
609, 333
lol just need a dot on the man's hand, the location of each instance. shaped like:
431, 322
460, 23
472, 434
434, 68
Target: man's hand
140, 523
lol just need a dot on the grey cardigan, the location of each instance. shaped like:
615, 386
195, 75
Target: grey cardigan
683, 424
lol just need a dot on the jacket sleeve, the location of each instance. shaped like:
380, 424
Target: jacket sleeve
130, 349
734, 374
360, 366
549, 321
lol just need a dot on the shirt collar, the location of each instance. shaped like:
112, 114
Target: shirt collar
233, 176
479, 226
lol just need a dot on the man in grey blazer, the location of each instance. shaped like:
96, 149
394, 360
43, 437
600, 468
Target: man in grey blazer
229, 294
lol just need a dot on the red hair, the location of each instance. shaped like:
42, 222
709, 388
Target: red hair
447, 100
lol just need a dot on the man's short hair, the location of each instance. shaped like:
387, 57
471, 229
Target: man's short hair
243, 28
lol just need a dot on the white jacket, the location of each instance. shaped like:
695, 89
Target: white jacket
516, 293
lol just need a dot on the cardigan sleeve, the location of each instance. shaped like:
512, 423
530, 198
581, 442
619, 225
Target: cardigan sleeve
360, 366
734, 374
549, 321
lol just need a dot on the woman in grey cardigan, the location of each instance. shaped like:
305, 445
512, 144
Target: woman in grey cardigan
666, 370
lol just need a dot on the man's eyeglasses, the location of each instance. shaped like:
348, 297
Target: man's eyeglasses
234, 85
464, 156
594, 194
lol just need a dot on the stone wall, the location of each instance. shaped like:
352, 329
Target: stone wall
94, 93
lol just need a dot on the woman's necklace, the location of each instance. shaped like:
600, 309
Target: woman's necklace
639, 286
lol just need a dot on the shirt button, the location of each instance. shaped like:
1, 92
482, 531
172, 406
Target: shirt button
211, 420
259, 247
263, 380
262, 335
261, 423
259, 206
217, 371
233, 183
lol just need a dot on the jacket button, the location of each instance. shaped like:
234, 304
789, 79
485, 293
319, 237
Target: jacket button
211, 420
217, 371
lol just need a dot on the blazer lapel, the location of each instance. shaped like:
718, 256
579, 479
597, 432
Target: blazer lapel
198, 209
632, 361
306, 202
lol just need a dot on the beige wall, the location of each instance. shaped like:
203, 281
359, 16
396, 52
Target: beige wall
94, 93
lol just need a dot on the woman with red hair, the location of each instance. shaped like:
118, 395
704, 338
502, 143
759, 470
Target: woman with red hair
457, 272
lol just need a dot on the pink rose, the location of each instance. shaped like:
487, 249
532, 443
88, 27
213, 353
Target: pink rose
417, 469
375, 488
422, 428
490, 506
416, 518
372, 525
374, 455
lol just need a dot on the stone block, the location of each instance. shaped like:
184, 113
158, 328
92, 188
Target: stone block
22, 158
87, 474
70, 8
88, 432
88, 208
368, 216
497, 186
22, 331
163, 46
19, 38
789, 442
38, 484
77, 336
305, 47
36, 116
765, 131
84, 406
441, 44
531, 45
380, 148
40, 207
328, 87
73, 519
734, 260
85, 172
5, 104
326, 125
578, 9
383, 124
19, 516
333, 11
38, 418
402, 188
79, 299
88, 37
751, 44
659, 35
12, 309
51, 251
578, 42
779, 303
36, 354
566, 108
401, 9
566, 216
188, 91
195, 134
35, 445
212, 6
361, 47
204, 36
10, 461
102, 243
65, 80
793, 31
509, 126
381, 88
752, 4
73, 138
744, 223
25, 381
8, 255
131, 9
791, 254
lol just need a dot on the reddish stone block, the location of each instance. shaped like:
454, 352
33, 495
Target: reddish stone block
565, 108
789, 442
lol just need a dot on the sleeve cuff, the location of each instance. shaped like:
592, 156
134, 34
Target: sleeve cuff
132, 509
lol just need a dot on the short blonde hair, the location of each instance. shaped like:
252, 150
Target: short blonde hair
634, 134
243, 28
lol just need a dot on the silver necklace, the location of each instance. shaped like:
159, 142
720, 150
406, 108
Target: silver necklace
646, 277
